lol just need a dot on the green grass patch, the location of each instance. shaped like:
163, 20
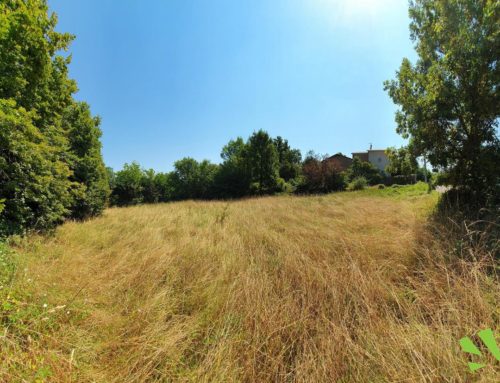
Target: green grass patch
398, 191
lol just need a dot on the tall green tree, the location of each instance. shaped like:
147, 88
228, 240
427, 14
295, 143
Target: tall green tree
85, 159
39, 111
34, 182
150, 190
233, 177
128, 188
289, 159
263, 161
164, 186
34, 92
401, 162
449, 99
193, 179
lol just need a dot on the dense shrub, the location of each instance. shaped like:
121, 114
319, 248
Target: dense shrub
364, 169
128, 188
86, 163
358, 183
34, 182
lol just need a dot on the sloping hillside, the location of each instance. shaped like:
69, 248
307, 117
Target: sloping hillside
349, 287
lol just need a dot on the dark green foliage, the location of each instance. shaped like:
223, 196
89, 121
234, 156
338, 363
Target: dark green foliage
401, 162
358, 183
192, 179
234, 176
289, 159
164, 186
32, 73
50, 161
449, 99
262, 165
440, 179
85, 161
363, 169
133, 185
128, 188
34, 182
262, 157
111, 177
150, 190
247, 168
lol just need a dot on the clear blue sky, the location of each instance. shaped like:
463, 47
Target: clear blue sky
175, 78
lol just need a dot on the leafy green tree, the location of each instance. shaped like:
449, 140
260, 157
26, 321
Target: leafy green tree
33, 73
128, 188
164, 186
86, 162
111, 175
449, 99
401, 162
262, 158
192, 179
289, 159
64, 175
34, 182
365, 170
150, 190
233, 177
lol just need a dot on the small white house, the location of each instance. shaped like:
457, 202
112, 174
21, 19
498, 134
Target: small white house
376, 157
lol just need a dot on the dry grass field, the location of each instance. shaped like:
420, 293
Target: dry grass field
348, 287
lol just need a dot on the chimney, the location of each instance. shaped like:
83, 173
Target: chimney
371, 146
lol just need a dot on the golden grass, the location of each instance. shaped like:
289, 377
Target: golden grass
340, 288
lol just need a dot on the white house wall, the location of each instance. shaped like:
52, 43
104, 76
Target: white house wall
378, 158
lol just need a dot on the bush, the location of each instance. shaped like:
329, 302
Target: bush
34, 182
284, 187
381, 186
358, 183
364, 169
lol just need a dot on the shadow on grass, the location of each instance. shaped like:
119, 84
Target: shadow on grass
470, 225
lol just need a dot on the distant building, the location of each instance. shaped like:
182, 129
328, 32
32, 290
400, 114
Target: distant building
376, 157
339, 162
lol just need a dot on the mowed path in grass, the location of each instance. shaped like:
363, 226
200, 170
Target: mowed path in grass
310, 289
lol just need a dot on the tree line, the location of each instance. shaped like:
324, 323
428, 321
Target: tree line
261, 165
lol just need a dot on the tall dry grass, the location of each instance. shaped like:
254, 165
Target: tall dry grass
342, 288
